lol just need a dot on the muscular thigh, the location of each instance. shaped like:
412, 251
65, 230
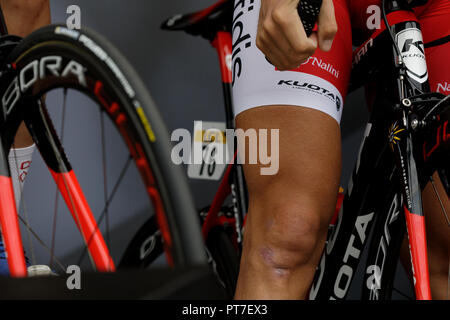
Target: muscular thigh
309, 155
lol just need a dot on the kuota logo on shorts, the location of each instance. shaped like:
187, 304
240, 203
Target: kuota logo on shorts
313, 88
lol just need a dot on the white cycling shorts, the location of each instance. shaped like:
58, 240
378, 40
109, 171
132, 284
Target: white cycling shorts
320, 83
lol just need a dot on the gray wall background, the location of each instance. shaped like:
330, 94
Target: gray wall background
182, 75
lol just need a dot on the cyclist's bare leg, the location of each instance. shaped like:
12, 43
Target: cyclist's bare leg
438, 230
23, 17
438, 236
289, 212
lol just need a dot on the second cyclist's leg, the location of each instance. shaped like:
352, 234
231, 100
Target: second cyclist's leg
435, 24
436, 209
22, 17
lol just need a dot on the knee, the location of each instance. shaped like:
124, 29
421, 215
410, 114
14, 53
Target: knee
29, 7
293, 235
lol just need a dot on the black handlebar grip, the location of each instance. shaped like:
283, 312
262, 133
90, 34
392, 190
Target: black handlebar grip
308, 10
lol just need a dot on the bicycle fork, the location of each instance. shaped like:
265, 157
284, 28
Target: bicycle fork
9, 221
45, 137
415, 220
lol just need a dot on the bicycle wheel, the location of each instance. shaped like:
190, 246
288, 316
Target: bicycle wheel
132, 153
145, 250
382, 275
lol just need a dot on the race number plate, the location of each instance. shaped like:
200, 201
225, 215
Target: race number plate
209, 150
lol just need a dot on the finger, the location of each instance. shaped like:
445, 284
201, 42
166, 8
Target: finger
291, 28
276, 56
273, 43
327, 25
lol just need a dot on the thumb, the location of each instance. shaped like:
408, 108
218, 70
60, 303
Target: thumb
327, 25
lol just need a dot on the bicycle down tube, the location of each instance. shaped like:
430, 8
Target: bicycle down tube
234, 176
218, 33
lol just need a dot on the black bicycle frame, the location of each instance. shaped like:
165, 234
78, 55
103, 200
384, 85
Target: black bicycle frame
386, 161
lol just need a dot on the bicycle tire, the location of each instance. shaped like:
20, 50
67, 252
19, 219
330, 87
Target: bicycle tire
106, 77
146, 247
225, 259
